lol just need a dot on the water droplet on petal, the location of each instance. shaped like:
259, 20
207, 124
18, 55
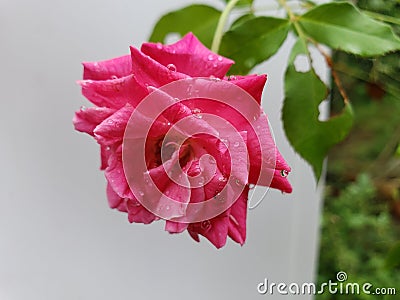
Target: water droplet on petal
237, 181
159, 46
236, 144
83, 108
284, 173
167, 207
232, 77
108, 148
220, 58
222, 179
169, 124
206, 224
215, 65
213, 78
171, 67
252, 186
197, 113
210, 57
114, 77
141, 193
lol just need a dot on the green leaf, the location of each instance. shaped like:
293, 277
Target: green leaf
309, 136
393, 258
252, 41
202, 20
242, 2
243, 19
340, 25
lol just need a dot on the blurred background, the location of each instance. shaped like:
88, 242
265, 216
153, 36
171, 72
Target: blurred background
58, 238
360, 232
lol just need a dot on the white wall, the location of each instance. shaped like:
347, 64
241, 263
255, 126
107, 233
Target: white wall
58, 238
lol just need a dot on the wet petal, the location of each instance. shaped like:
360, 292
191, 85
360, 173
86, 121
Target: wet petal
150, 72
86, 119
108, 69
114, 93
190, 57
237, 218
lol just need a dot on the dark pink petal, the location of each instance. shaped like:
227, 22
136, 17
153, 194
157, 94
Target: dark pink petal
189, 56
112, 129
253, 84
151, 73
105, 152
115, 175
108, 69
114, 93
115, 201
138, 214
237, 218
86, 119
175, 227
280, 181
215, 230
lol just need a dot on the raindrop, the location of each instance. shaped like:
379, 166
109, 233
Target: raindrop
213, 78
206, 224
110, 122
169, 124
215, 65
236, 144
114, 77
237, 181
232, 77
83, 108
220, 58
252, 186
222, 179
167, 207
108, 148
197, 113
171, 67
210, 57
284, 173
159, 46
141, 193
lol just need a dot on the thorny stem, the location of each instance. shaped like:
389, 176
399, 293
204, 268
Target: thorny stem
335, 76
221, 25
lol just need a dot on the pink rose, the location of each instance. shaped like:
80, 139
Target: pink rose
164, 154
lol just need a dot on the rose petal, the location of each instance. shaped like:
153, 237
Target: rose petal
108, 69
115, 175
114, 93
280, 181
115, 201
237, 218
190, 57
253, 84
149, 72
112, 129
138, 214
86, 119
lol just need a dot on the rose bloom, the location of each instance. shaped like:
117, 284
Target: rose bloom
117, 86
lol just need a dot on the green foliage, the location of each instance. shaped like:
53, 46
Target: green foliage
311, 138
253, 41
202, 20
357, 232
242, 2
341, 26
